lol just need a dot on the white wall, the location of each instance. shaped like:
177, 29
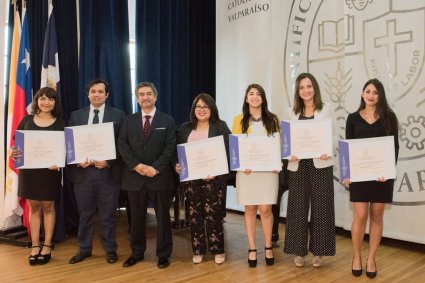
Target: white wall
343, 43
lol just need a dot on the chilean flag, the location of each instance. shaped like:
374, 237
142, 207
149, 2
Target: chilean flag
50, 70
23, 93
50, 78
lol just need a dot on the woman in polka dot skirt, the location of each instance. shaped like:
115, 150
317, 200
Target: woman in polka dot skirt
311, 186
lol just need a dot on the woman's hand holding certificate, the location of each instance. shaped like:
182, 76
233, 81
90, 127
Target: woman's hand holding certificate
370, 159
303, 139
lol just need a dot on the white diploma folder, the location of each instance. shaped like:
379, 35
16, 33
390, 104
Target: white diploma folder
202, 158
306, 138
90, 142
258, 153
367, 159
40, 149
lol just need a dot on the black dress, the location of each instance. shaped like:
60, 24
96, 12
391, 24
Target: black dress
370, 191
39, 184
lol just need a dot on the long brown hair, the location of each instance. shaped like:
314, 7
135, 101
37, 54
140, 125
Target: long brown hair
299, 102
383, 110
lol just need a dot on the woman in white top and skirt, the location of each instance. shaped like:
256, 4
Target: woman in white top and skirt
257, 191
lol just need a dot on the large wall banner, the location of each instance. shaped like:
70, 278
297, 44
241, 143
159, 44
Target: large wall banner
343, 43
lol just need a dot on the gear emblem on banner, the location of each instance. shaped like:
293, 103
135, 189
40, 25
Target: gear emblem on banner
413, 132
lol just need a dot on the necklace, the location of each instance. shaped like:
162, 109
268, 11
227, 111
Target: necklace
255, 119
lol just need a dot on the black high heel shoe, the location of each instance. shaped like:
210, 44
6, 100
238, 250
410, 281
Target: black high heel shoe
33, 259
269, 260
356, 272
45, 258
371, 274
252, 262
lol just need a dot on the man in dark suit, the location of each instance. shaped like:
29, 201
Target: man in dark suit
147, 143
97, 182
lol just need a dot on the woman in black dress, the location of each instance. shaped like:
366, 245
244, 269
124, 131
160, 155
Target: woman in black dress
374, 118
41, 186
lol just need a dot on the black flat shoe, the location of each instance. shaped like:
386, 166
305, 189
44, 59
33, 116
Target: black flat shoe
252, 262
33, 259
111, 257
269, 260
80, 256
163, 262
131, 261
45, 258
371, 274
356, 272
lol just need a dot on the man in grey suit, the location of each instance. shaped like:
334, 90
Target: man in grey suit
97, 182
147, 143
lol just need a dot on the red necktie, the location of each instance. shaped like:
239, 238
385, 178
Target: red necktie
146, 126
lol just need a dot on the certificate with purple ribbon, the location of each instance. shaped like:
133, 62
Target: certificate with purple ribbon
258, 153
306, 138
203, 158
367, 159
90, 142
40, 149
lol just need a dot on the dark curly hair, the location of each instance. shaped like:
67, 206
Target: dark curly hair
209, 101
49, 93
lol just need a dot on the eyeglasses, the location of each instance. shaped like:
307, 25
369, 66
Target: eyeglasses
199, 108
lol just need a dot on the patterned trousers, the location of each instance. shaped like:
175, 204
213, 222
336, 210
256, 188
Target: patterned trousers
310, 190
206, 203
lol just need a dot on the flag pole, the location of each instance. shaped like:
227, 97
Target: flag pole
11, 230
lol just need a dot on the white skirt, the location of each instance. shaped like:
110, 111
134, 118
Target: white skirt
257, 188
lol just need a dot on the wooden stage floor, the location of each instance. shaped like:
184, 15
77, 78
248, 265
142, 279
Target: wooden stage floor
397, 261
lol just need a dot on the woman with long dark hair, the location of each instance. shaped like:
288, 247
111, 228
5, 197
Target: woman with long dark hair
311, 187
205, 197
40, 187
374, 118
257, 191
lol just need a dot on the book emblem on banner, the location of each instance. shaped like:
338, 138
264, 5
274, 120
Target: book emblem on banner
335, 35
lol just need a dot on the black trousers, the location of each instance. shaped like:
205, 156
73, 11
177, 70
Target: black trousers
94, 194
283, 186
138, 205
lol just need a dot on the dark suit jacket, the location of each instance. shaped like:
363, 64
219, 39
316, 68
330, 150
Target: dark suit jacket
113, 173
219, 129
156, 150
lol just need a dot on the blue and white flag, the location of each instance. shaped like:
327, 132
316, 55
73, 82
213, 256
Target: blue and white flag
50, 70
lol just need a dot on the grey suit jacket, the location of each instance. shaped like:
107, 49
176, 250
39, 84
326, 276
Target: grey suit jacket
111, 174
156, 150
